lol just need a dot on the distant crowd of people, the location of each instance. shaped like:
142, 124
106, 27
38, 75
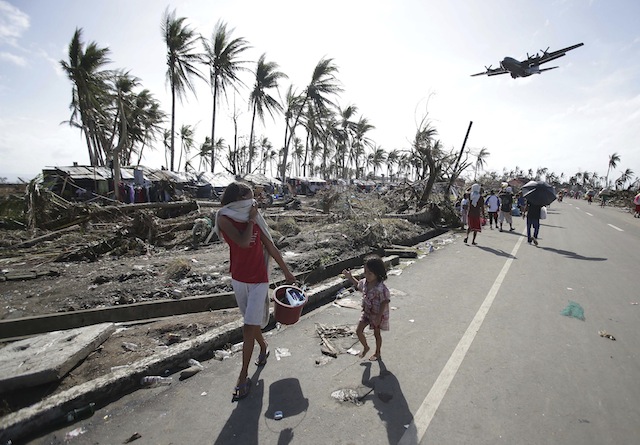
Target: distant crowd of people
476, 210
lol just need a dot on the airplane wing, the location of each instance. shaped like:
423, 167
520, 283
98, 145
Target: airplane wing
491, 72
547, 57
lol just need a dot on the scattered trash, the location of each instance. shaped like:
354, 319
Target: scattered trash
173, 338
353, 351
569, 288
194, 362
237, 347
347, 395
574, 310
348, 303
605, 334
411, 321
634, 303
155, 380
129, 346
395, 272
221, 354
190, 372
323, 360
85, 411
75, 433
282, 352
194, 367
118, 368
203, 393
278, 415
342, 292
134, 436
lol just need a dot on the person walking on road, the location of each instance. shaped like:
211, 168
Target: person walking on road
636, 201
375, 303
475, 213
493, 202
464, 210
521, 203
506, 202
533, 221
250, 247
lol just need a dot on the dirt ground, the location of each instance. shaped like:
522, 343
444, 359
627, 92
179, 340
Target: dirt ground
69, 275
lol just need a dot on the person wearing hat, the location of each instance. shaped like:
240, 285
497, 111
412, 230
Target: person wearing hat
506, 202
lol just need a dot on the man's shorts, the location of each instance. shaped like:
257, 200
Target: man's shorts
252, 300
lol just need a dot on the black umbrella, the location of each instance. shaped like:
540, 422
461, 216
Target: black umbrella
539, 193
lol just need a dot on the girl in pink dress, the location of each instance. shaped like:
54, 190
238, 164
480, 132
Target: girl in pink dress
375, 303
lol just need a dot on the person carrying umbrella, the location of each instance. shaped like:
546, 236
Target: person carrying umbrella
538, 194
532, 212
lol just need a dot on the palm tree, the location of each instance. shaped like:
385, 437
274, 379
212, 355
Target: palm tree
613, 163
267, 76
186, 144
377, 158
323, 84
85, 71
360, 141
392, 158
182, 58
626, 176
222, 55
481, 161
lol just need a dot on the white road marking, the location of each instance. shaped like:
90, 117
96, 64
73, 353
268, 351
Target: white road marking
588, 213
423, 417
617, 228
577, 208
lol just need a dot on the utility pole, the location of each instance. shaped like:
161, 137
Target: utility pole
455, 168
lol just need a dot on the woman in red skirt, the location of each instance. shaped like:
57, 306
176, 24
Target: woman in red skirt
475, 213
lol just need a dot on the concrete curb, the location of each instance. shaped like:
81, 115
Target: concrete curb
52, 411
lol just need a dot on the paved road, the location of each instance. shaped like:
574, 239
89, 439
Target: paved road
478, 353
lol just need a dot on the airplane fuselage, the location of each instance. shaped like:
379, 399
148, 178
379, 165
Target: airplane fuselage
517, 68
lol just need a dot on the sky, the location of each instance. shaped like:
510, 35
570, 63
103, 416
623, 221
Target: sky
397, 60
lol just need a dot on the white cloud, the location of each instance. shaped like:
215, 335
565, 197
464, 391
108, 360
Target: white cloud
13, 22
12, 58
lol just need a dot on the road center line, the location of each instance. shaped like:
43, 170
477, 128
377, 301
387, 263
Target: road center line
421, 420
617, 228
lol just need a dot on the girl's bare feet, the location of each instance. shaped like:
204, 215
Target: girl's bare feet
364, 352
374, 358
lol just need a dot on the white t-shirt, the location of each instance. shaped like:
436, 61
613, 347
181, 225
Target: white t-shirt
493, 202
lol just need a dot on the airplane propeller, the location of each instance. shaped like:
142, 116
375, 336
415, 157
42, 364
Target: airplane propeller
488, 68
544, 51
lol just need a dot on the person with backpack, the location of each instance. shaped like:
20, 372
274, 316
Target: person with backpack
506, 202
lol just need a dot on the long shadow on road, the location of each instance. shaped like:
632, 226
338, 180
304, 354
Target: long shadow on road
497, 252
573, 255
388, 399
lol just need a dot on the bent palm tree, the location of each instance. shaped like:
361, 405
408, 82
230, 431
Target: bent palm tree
222, 58
182, 57
323, 83
613, 163
89, 91
481, 161
267, 76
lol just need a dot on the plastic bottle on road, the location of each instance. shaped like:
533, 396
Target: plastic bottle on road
155, 380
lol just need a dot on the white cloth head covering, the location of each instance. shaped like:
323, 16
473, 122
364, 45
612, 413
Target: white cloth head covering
509, 190
239, 211
475, 194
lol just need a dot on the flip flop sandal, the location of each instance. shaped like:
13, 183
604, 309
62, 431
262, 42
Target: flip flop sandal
262, 358
242, 391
